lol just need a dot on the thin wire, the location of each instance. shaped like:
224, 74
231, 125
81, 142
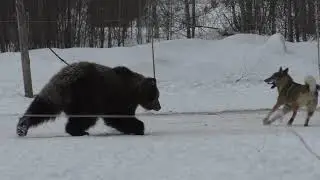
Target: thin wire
116, 115
168, 113
52, 21
182, 113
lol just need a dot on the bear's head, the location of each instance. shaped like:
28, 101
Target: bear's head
149, 94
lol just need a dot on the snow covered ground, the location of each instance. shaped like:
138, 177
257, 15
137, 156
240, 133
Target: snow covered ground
226, 147
193, 76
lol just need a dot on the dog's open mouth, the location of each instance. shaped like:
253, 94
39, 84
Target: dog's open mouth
273, 83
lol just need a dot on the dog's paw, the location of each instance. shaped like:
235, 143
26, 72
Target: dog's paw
266, 122
290, 122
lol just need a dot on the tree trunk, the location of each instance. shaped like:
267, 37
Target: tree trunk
109, 37
193, 18
91, 36
187, 17
303, 19
311, 17
249, 18
124, 34
243, 18
296, 19
24, 48
102, 37
290, 20
273, 4
2, 41
68, 38
171, 19
154, 20
139, 24
236, 23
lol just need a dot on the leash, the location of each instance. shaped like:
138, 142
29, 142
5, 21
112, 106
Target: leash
59, 57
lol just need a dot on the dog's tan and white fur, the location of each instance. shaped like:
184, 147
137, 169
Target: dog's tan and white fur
292, 96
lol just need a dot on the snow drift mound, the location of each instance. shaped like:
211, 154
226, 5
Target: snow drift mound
246, 39
276, 44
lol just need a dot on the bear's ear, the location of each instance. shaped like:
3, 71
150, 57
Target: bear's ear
122, 70
147, 84
153, 81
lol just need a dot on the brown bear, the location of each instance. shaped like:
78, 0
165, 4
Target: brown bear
86, 88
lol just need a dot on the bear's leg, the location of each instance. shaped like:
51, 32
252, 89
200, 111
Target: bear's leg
126, 125
77, 126
37, 113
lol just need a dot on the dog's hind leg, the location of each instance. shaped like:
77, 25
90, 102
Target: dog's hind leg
310, 108
310, 113
295, 110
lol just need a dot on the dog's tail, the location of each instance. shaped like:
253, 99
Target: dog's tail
312, 83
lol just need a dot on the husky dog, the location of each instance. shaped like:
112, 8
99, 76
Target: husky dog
292, 96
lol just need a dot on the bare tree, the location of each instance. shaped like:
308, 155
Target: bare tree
139, 24
290, 20
187, 17
272, 15
193, 17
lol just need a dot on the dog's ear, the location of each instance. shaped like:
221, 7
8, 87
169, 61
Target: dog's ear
280, 69
286, 70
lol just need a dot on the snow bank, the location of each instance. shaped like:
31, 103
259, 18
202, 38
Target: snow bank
194, 75
276, 44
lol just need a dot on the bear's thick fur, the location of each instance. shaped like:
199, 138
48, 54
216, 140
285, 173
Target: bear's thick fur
87, 88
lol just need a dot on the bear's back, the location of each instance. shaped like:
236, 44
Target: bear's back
82, 79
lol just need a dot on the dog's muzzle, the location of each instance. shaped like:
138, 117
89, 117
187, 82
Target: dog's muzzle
270, 81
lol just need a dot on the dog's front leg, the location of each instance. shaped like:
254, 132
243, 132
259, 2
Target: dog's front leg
286, 109
275, 107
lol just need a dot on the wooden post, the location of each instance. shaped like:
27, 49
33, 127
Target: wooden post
317, 31
24, 48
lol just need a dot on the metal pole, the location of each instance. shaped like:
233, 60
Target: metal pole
317, 33
152, 40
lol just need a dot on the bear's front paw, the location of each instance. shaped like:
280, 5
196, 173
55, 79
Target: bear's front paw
22, 127
84, 133
22, 130
137, 128
139, 133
